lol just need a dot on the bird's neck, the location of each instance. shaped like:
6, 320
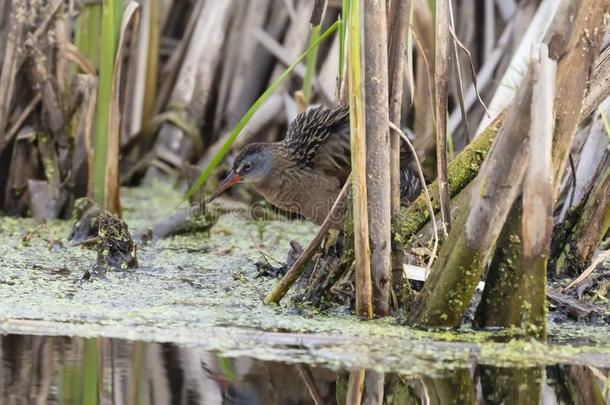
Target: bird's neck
281, 178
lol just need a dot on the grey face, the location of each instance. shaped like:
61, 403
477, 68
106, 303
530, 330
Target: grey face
253, 164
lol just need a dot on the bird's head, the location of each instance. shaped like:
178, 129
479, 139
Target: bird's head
253, 166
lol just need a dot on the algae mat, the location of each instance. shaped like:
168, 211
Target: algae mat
203, 291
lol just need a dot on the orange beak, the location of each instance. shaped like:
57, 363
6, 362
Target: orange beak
231, 180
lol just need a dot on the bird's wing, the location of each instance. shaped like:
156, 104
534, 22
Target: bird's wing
319, 138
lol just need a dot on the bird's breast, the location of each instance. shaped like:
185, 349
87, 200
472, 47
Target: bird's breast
305, 192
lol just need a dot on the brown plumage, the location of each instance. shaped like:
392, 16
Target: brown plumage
305, 171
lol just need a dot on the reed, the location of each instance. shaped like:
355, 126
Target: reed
310, 67
110, 27
364, 294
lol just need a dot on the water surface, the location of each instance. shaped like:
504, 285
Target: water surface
64, 370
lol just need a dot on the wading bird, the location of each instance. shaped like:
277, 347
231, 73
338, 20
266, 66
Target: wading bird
304, 172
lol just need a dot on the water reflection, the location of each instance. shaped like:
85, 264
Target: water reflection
62, 370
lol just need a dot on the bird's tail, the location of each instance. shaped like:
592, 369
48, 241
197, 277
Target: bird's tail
410, 185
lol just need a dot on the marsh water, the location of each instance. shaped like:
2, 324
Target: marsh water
65, 370
189, 327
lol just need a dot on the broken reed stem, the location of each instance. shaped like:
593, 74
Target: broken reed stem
378, 151
463, 257
441, 70
515, 286
537, 218
364, 305
282, 287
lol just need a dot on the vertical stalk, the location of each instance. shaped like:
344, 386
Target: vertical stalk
310, 68
312, 57
398, 33
344, 18
378, 150
109, 36
441, 71
88, 34
152, 62
537, 220
355, 384
364, 307
91, 369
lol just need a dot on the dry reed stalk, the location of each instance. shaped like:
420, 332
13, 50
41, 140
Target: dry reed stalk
130, 21
398, 32
10, 64
423, 103
441, 72
458, 73
364, 304
377, 151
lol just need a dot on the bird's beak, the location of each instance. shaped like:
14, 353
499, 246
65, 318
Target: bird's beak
231, 180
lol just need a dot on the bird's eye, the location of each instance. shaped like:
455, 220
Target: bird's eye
247, 167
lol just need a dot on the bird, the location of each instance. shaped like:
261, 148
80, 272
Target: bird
305, 172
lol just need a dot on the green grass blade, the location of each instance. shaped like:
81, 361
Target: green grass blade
310, 70
246, 118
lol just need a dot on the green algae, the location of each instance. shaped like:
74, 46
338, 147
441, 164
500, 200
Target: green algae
202, 290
